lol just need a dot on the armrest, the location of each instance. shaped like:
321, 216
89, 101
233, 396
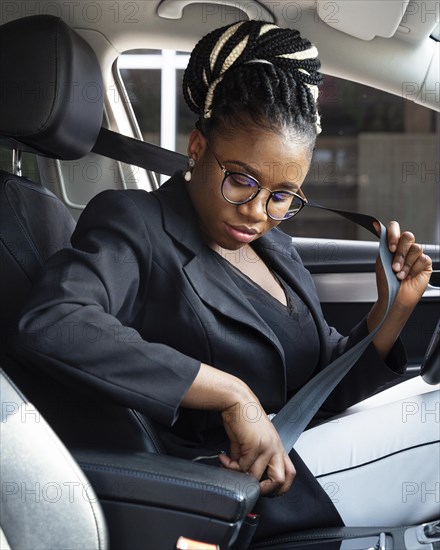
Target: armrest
168, 482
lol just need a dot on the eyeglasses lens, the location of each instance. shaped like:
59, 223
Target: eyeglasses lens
240, 188
283, 205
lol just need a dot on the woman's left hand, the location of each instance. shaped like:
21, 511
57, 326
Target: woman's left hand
411, 266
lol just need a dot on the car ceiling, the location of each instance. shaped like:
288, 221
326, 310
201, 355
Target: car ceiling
381, 43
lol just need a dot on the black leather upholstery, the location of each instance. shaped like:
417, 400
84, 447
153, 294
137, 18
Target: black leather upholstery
46, 79
170, 483
33, 225
150, 501
51, 94
35, 110
50, 100
47, 502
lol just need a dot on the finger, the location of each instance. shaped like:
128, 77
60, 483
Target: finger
275, 477
260, 465
413, 254
393, 235
269, 488
376, 226
242, 463
290, 474
234, 451
227, 462
276, 487
423, 263
406, 240
247, 461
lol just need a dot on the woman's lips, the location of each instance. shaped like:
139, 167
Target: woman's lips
241, 233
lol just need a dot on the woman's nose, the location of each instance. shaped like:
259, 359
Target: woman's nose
255, 209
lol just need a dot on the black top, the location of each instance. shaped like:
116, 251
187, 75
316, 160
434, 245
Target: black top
293, 325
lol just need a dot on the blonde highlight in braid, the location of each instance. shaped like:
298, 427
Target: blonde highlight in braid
252, 70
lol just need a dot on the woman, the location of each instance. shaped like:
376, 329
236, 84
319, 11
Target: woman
191, 306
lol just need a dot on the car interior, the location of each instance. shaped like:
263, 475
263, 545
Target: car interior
79, 471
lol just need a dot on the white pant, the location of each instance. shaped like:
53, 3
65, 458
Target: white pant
379, 461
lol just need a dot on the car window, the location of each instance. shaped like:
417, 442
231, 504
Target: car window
377, 152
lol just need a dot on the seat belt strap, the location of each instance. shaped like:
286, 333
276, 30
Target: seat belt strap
296, 414
139, 153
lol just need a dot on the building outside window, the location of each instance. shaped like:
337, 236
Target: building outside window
377, 153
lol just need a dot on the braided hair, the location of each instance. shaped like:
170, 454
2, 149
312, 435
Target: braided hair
252, 72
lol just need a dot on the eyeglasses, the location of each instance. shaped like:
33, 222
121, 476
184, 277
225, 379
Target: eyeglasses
238, 188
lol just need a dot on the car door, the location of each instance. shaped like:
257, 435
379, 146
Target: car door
343, 272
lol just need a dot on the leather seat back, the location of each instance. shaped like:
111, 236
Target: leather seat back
44, 109
51, 104
34, 224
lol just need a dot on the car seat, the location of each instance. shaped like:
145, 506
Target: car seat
44, 109
148, 499
37, 472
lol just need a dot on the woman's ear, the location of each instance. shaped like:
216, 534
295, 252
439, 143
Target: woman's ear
196, 144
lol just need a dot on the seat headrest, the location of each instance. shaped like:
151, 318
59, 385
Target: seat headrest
51, 91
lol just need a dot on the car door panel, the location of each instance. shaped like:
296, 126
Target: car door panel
343, 272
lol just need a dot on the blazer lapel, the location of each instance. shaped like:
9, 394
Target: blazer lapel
207, 276
212, 282
276, 251
179, 215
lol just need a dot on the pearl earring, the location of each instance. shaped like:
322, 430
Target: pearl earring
188, 173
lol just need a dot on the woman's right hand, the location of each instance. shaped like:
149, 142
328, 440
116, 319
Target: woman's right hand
256, 447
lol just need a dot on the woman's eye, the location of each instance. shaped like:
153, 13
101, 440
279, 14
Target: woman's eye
242, 180
279, 196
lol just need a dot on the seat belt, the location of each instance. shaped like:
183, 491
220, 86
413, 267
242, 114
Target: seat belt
296, 414
139, 153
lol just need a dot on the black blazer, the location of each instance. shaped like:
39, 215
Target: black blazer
140, 300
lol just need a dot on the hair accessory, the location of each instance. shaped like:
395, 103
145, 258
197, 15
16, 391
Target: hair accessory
188, 174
